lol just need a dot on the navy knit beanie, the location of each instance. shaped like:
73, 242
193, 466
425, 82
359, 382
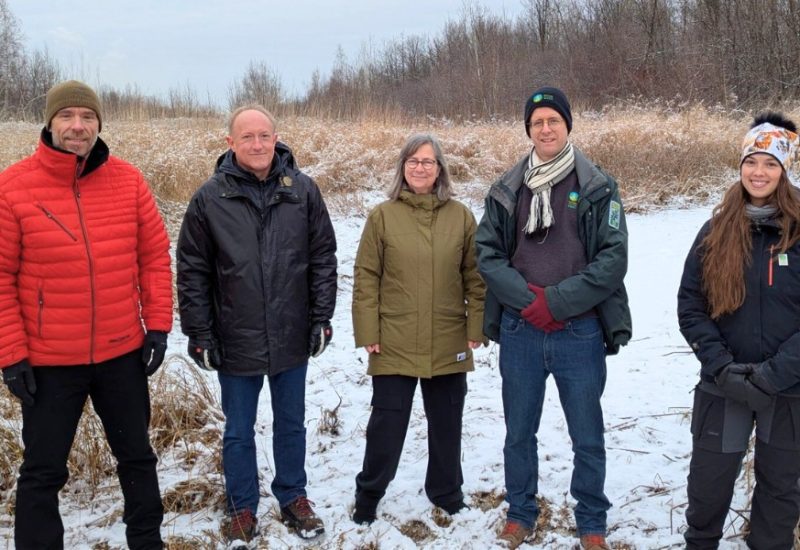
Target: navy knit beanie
548, 97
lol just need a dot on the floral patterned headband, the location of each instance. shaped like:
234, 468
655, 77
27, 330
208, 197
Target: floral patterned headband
773, 140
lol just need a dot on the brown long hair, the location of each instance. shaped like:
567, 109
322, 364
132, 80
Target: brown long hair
727, 249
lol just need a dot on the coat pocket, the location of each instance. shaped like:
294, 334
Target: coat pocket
708, 419
135, 295
58, 222
720, 425
40, 310
785, 428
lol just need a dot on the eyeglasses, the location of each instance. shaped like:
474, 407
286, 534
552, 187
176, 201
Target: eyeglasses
553, 123
427, 164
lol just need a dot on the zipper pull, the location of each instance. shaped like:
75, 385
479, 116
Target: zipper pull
769, 271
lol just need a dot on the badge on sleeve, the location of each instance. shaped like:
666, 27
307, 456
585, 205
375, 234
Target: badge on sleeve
614, 214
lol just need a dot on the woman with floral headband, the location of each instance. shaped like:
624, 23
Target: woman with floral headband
739, 309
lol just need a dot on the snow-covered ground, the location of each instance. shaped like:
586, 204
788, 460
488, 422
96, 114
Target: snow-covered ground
646, 403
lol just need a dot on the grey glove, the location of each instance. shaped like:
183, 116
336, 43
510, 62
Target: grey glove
206, 356
20, 381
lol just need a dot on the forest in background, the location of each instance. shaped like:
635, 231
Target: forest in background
738, 54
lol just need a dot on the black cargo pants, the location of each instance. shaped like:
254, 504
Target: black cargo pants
721, 430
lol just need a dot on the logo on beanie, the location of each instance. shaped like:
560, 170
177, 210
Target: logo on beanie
541, 97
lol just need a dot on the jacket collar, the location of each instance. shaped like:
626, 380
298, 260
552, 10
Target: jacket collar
428, 201
506, 189
58, 160
282, 162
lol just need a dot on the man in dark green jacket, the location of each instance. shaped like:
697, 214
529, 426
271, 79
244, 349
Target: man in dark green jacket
553, 250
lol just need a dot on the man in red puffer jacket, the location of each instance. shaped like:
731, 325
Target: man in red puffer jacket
85, 308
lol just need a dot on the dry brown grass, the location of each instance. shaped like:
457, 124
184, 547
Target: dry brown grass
184, 410
194, 495
185, 421
11, 445
417, 531
657, 153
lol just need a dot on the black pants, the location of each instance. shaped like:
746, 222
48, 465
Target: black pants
392, 395
119, 392
720, 432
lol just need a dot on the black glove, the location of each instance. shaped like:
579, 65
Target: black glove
731, 380
20, 381
321, 334
759, 379
207, 356
757, 399
735, 382
153, 350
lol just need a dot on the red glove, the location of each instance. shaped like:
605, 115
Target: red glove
538, 314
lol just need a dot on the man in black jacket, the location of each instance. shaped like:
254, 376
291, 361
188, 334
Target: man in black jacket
257, 289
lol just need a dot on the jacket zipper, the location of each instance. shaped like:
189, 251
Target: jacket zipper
77, 192
57, 221
769, 270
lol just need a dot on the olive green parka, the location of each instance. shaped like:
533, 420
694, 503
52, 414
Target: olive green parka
417, 291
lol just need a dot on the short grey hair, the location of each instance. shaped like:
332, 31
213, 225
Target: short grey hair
441, 186
252, 107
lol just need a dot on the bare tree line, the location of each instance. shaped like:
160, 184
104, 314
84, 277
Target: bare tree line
24, 77
732, 52
738, 53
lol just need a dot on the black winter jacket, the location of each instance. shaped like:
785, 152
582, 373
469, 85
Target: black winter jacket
765, 328
256, 265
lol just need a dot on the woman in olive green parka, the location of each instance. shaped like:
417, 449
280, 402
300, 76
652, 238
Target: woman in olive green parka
418, 311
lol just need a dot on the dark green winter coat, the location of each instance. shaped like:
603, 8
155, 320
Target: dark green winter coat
603, 232
417, 291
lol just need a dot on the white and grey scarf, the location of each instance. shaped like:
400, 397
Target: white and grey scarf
760, 213
540, 177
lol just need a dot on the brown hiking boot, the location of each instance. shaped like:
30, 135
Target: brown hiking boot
240, 526
300, 518
514, 534
594, 542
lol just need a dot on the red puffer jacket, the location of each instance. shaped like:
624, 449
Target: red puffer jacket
84, 259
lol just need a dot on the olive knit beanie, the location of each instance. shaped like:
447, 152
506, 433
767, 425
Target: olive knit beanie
71, 93
548, 97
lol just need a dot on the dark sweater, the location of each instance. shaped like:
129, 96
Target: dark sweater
549, 256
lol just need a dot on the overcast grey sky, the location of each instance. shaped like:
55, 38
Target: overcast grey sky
208, 44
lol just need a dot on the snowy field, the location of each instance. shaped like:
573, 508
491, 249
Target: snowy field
646, 403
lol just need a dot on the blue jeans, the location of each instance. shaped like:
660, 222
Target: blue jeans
575, 356
240, 404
